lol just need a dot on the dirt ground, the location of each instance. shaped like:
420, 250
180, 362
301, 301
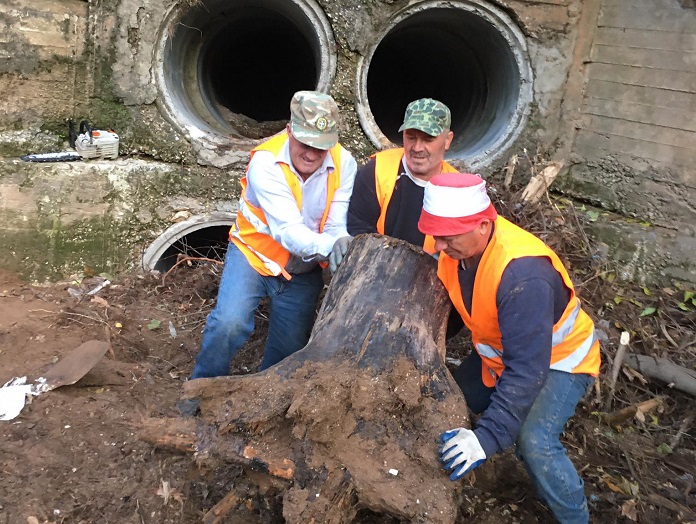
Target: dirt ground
73, 456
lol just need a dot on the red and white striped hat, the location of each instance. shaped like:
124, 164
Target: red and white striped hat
454, 203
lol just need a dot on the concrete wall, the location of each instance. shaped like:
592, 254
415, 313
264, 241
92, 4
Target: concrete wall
97, 60
60, 219
613, 95
634, 128
40, 77
638, 113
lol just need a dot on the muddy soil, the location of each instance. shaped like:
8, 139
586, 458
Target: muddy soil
72, 455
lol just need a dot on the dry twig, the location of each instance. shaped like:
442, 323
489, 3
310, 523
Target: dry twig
189, 259
686, 423
616, 367
636, 410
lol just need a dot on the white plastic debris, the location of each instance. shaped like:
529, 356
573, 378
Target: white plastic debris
13, 396
99, 287
453, 361
394, 472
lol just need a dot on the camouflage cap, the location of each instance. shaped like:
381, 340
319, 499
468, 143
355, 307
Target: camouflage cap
427, 115
314, 119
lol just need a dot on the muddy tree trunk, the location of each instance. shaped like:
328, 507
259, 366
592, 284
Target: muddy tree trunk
352, 421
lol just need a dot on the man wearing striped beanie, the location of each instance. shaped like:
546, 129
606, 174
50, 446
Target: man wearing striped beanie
536, 352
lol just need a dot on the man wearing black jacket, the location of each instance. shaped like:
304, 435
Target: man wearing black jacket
388, 192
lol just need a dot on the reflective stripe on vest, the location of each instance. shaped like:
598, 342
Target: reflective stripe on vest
575, 348
572, 361
273, 267
488, 351
567, 363
251, 233
387, 166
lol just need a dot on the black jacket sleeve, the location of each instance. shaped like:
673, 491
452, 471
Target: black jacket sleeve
364, 210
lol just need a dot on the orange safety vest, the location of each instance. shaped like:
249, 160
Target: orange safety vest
250, 232
575, 348
386, 171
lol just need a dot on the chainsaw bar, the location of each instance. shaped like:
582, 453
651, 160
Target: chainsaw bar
64, 156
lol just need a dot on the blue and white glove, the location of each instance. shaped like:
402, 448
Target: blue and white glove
460, 452
338, 251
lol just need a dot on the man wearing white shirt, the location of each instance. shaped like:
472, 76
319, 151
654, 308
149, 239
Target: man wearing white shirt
292, 211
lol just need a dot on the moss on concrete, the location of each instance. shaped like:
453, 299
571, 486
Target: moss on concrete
60, 217
587, 189
46, 250
643, 253
25, 142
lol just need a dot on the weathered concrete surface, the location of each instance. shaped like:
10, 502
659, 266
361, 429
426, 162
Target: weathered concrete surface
627, 132
58, 218
634, 136
41, 72
137, 28
100, 62
613, 93
646, 253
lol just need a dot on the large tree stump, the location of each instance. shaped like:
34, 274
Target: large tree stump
352, 421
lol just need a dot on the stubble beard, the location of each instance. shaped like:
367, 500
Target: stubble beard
424, 170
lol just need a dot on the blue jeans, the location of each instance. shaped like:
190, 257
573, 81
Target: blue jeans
538, 444
231, 323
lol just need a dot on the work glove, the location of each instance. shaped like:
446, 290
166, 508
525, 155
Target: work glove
338, 251
460, 452
296, 265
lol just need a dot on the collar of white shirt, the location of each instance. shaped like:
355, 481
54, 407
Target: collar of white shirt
418, 181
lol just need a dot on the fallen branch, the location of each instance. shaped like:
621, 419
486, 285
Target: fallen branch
217, 513
635, 410
667, 336
674, 375
616, 367
509, 170
540, 183
189, 259
682, 431
598, 391
664, 502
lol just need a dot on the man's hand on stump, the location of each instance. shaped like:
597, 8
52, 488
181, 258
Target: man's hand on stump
338, 251
460, 452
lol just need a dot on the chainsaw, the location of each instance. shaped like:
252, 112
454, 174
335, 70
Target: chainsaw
89, 143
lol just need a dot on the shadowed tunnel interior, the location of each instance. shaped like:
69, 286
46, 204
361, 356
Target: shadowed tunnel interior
243, 66
457, 57
223, 62
231, 67
207, 242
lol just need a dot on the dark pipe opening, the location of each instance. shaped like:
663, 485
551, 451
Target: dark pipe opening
255, 63
207, 242
230, 67
457, 57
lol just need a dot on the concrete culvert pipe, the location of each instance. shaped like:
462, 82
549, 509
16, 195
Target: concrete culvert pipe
218, 64
470, 55
204, 236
